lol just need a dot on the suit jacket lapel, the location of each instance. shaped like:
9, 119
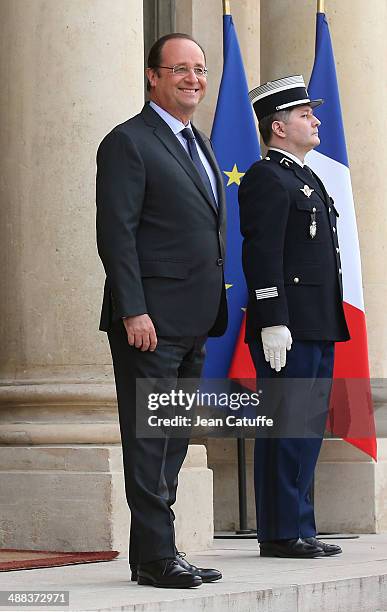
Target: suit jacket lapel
163, 132
205, 145
303, 175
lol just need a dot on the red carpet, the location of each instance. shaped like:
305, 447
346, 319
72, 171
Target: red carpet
11, 559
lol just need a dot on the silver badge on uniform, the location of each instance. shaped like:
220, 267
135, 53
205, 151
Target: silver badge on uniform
313, 223
307, 191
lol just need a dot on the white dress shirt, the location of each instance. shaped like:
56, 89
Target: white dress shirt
177, 126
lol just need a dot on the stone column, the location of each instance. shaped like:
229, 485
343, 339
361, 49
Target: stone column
357, 30
204, 21
70, 72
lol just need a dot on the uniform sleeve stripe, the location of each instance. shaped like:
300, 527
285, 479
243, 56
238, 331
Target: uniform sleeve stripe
266, 289
265, 292
264, 297
268, 292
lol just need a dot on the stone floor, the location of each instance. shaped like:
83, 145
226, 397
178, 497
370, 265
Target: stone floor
355, 581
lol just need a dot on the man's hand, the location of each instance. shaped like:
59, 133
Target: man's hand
276, 340
141, 332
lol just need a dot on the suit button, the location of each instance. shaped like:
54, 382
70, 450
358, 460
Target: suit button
334, 230
296, 280
219, 262
314, 209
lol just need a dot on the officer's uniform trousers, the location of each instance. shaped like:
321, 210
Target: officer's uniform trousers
284, 467
293, 276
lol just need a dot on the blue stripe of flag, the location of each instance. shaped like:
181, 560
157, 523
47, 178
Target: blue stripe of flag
323, 84
235, 141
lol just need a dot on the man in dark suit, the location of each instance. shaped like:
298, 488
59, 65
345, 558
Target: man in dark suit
291, 260
160, 234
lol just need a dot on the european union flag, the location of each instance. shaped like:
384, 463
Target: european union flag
235, 141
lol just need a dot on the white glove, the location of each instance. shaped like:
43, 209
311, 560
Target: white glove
276, 340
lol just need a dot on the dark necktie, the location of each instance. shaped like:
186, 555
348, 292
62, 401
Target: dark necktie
315, 182
309, 171
194, 154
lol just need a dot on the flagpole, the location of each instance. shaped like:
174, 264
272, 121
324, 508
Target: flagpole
241, 449
226, 7
320, 6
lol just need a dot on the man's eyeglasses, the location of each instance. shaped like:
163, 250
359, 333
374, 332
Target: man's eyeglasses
181, 70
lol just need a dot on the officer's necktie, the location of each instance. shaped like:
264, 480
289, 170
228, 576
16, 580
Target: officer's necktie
309, 171
315, 182
194, 154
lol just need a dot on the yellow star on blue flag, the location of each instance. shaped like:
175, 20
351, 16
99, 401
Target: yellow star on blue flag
234, 176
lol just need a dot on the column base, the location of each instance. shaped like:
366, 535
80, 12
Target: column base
223, 460
194, 507
350, 489
72, 498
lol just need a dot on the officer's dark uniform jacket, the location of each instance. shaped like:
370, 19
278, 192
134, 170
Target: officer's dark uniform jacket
293, 279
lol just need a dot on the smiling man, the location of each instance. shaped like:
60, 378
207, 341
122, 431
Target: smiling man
160, 234
291, 260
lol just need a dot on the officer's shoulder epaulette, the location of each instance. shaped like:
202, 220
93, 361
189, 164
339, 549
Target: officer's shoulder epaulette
263, 165
261, 170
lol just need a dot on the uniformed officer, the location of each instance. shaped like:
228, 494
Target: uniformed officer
291, 260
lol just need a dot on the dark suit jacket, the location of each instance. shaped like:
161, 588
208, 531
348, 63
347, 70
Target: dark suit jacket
159, 235
292, 278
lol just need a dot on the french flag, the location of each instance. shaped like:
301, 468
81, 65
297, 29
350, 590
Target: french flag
330, 162
351, 412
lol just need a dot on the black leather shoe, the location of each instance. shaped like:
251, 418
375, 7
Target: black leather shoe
329, 549
206, 574
167, 574
292, 549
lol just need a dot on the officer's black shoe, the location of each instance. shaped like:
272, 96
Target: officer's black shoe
206, 574
167, 574
329, 549
292, 549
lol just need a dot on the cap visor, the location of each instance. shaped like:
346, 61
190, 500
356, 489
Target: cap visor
314, 103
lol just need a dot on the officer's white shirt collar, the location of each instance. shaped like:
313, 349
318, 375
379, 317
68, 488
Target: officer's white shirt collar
287, 154
175, 124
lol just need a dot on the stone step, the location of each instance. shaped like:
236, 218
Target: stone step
355, 581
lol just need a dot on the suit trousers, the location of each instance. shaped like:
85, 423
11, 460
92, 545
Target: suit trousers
151, 465
284, 466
